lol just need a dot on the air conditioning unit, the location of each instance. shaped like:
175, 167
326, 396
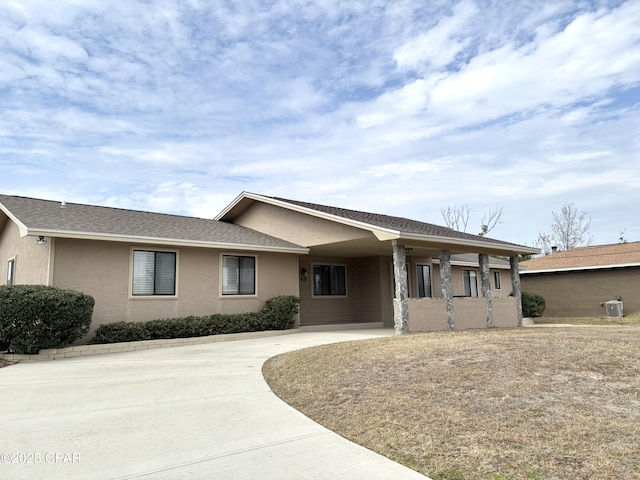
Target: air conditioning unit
614, 309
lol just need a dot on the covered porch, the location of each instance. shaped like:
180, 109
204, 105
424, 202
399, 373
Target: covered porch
368, 268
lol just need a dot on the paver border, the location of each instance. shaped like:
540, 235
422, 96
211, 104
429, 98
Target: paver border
120, 347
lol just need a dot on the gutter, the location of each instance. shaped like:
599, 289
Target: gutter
164, 241
578, 269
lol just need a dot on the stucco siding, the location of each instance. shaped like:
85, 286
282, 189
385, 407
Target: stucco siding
505, 312
427, 315
31, 260
363, 302
102, 269
296, 227
430, 314
582, 293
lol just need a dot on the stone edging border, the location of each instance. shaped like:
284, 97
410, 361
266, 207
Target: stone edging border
105, 348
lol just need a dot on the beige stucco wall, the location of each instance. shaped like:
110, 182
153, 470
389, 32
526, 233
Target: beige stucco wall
363, 302
581, 293
31, 259
296, 227
102, 269
427, 315
430, 314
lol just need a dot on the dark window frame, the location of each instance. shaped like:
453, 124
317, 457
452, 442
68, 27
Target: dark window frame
470, 290
424, 291
497, 281
329, 280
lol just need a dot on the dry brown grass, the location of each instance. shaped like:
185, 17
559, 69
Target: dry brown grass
499, 404
627, 320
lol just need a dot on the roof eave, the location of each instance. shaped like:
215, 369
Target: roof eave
22, 228
577, 269
381, 233
164, 241
476, 244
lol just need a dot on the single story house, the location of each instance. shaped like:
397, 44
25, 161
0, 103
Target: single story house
579, 282
348, 267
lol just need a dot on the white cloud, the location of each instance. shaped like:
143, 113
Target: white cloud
398, 107
439, 46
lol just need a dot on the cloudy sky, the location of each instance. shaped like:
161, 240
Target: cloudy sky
397, 107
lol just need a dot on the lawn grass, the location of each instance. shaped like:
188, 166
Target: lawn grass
530, 403
627, 320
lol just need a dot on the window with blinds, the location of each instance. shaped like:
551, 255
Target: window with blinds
238, 275
154, 273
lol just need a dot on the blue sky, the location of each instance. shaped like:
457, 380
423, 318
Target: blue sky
399, 107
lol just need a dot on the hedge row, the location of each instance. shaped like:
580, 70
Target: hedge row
278, 313
33, 317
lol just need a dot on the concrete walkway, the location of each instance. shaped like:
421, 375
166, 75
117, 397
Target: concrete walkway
201, 411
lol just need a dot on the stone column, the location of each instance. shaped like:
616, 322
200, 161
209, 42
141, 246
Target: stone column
445, 283
515, 285
485, 282
400, 302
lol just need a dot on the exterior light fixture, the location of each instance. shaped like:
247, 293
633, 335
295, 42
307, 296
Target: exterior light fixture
41, 240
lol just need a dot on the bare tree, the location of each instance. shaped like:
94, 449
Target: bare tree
622, 239
490, 220
570, 229
457, 217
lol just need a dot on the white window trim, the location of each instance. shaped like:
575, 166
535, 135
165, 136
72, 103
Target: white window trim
143, 248
330, 264
220, 275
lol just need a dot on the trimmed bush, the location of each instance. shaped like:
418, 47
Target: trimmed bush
33, 317
280, 312
277, 313
533, 304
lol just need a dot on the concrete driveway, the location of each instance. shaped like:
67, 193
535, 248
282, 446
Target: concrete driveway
201, 411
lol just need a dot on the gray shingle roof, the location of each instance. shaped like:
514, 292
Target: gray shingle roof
405, 226
473, 258
48, 216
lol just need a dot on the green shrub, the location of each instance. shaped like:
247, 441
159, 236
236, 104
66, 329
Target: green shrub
33, 317
280, 312
533, 304
277, 313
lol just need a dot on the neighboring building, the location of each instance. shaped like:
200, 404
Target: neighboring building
140, 266
579, 282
